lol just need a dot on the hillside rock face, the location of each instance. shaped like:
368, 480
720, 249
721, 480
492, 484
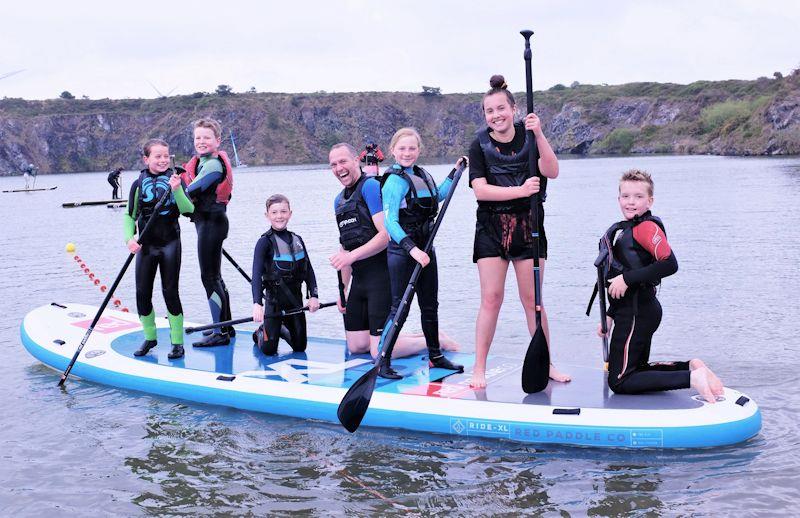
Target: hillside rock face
760, 117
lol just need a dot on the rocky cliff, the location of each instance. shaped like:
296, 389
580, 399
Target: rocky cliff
728, 117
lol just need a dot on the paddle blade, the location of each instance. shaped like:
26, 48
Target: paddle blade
354, 404
536, 369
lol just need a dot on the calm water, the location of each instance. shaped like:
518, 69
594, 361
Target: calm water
98, 451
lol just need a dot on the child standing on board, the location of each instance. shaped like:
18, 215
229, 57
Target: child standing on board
504, 185
410, 204
209, 175
280, 266
160, 248
644, 256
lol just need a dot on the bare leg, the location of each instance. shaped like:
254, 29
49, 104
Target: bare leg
358, 342
492, 273
446, 343
524, 272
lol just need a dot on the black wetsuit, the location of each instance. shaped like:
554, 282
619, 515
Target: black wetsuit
113, 180
211, 222
161, 248
280, 266
503, 228
646, 258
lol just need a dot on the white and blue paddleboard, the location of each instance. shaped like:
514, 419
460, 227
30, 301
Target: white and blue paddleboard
310, 385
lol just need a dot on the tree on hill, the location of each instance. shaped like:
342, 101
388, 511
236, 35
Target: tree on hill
224, 90
66, 95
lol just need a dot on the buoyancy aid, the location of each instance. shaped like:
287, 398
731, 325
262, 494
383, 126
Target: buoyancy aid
225, 187
151, 189
353, 217
509, 171
417, 211
289, 260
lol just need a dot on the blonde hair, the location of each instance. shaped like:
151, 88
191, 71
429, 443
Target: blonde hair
637, 175
209, 123
405, 132
278, 198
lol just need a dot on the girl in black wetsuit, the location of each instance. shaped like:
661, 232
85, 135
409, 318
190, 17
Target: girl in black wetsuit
160, 248
280, 266
210, 179
500, 176
644, 256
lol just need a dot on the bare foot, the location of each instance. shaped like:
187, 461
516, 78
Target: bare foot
717, 388
696, 363
478, 380
699, 381
447, 343
557, 375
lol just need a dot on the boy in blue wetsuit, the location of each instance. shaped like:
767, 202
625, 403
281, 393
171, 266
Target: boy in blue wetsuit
410, 204
640, 256
280, 266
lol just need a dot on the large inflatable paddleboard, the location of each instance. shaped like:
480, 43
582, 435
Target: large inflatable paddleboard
310, 385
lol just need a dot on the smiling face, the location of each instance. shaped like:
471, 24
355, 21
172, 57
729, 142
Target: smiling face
406, 150
498, 112
158, 159
279, 214
634, 198
344, 166
205, 142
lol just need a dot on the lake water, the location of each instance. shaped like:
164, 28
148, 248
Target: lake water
98, 451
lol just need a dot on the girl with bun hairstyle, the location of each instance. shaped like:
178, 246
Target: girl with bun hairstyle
500, 177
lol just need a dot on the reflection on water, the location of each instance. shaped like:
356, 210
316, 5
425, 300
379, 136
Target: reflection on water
97, 451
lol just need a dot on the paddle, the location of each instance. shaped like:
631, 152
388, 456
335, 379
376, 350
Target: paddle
355, 402
236, 265
341, 289
147, 225
536, 367
284, 313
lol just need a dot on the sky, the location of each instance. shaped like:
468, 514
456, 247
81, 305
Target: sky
134, 49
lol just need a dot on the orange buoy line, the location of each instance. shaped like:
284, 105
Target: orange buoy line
117, 303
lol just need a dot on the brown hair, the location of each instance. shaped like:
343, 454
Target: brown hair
637, 175
405, 132
498, 85
209, 123
148, 146
277, 198
345, 145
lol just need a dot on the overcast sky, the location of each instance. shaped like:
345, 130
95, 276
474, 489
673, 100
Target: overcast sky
115, 49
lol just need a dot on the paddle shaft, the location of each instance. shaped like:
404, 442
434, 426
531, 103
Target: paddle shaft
534, 168
601, 292
236, 265
390, 336
111, 290
284, 313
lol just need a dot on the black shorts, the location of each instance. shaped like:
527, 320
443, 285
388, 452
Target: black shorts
507, 236
370, 298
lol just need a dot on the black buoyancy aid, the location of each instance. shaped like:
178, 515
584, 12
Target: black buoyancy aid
151, 189
620, 253
353, 218
418, 210
509, 170
289, 260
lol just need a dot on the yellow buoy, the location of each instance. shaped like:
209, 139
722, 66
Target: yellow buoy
70, 247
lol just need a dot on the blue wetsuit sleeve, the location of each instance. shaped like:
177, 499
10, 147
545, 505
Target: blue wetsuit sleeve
393, 192
205, 182
262, 251
371, 191
444, 188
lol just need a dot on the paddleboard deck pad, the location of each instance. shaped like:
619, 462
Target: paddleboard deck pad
311, 384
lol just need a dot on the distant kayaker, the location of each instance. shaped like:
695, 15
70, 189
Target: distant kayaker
371, 157
113, 180
410, 204
640, 257
504, 185
361, 260
280, 267
209, 175
160, 248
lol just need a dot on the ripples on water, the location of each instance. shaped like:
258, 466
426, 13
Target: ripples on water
97, 451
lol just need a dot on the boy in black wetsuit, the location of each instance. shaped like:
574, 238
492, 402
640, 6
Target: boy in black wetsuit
160, 248
644, 256
280, 266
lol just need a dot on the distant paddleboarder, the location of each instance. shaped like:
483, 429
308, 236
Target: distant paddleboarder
113, 180
371, 157
29, 174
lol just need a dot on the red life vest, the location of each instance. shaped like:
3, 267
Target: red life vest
225, 187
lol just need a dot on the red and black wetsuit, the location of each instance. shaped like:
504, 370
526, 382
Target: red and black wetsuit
646, 256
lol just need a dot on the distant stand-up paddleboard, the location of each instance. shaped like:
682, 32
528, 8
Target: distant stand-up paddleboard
89, 203
311, 384
117, 204
33, 190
